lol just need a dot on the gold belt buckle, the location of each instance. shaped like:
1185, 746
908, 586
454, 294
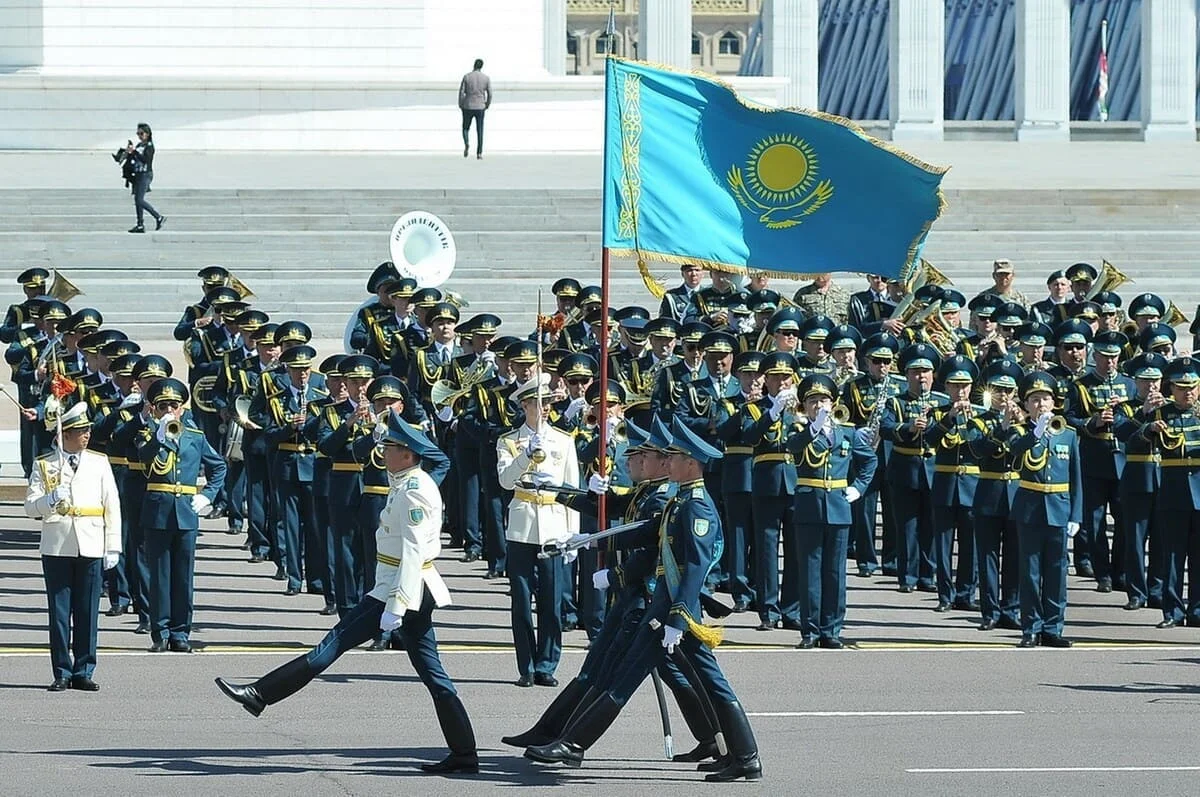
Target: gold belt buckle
178, 489
961, 470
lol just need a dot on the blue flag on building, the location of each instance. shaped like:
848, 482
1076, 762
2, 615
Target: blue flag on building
695, 174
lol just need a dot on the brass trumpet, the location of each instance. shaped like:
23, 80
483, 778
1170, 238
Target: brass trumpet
840, 414
174, 429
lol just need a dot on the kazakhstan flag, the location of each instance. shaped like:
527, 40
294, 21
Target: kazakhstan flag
695, 174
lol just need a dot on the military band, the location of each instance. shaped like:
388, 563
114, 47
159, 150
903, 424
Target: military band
959, 458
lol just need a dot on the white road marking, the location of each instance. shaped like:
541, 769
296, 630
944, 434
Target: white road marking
980, 713
1043, 770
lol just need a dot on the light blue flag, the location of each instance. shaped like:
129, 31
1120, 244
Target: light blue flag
695, 174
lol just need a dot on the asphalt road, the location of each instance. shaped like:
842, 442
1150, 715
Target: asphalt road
924, 704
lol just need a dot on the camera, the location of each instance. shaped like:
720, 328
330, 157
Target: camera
121, 156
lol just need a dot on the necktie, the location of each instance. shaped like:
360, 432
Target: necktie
73, 461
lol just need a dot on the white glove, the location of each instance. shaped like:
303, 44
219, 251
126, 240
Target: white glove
598, 484
1072, 529
542, 479
569, 556
201, 504
575, 408
488, 357
746, 325
534, 443
852, 494
57, 496
389, 621
110, 559
161, 434
600, 579
611, 422
1043, 423
671, 637
821, 421
445, 414
132, 400
777, 402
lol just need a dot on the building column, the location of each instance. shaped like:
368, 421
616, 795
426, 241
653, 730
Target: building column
916, 68
554, 26
1042, 73
665, 33
790, 49
1169, 70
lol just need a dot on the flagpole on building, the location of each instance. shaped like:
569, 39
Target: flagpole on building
602, 412
1103, 88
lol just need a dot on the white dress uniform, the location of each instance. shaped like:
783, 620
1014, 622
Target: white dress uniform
92, 526
534, 516
407, 542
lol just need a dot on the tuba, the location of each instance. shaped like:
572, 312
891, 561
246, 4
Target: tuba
926, 274
62, 288
423, 248
202, 393
1109, 279
243, 292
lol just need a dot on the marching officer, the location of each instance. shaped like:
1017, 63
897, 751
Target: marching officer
1091, 408
1141, 481
996, 550
1175, 430
1047, 508
548, 456
834, 465
691, 530
174, 453
905, 424
73, 491
407, 590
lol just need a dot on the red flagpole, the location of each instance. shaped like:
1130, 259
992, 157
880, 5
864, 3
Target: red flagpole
602, 414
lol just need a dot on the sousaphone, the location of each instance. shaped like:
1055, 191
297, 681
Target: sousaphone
423, 248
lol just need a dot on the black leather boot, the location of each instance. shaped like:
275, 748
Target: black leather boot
582, 733
553, 721
280, 683
698, 724
743, 750
460, 738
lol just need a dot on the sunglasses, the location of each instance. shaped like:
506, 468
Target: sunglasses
167, 405
1073, 346
788, 333
692, 346
578, 381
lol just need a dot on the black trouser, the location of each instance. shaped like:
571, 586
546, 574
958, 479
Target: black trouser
468, 115
141, 185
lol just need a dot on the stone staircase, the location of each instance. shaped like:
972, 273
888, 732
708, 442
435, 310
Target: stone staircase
307, 253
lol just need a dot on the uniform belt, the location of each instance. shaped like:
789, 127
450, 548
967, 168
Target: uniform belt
960, 470
1004, 476
1189, 462
745, 450
301, 448
375, 489
912, 452
348, 467
528, 496
118, 460
780, 457
177, 489
136, 465
823, 484
85, 511
1147, 458
1038, 487
394, 561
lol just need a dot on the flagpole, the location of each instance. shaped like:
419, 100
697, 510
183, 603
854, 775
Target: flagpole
602, 414
1103, 89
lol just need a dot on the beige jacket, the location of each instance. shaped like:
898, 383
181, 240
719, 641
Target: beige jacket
534, 516
407, 542
92, 527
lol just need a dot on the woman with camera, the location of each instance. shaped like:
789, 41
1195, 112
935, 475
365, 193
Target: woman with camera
139, 160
